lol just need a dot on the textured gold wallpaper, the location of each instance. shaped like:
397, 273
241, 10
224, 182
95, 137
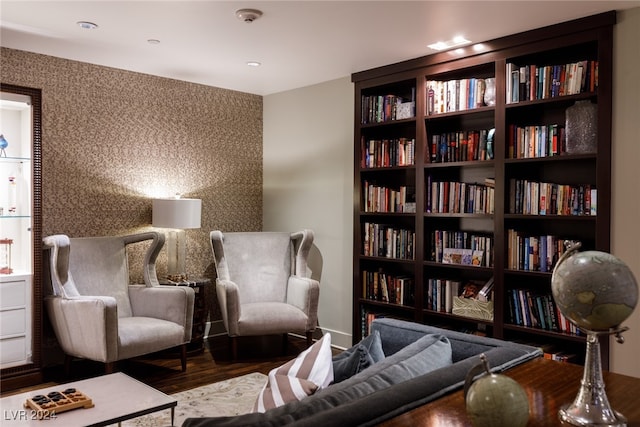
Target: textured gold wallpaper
113, 139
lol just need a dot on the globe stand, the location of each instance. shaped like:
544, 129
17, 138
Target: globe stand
591, 406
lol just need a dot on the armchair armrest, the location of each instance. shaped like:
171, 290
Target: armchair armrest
302, 241
229, 300
171, 303
86, 326
303, 293
149, 265
216, 238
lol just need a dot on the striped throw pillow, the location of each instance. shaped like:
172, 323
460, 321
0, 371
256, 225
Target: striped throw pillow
312, 370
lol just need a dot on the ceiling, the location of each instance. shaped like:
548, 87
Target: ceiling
298, 43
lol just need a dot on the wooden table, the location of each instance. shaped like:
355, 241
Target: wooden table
549, 385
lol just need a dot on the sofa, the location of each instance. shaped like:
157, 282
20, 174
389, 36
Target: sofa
404, 379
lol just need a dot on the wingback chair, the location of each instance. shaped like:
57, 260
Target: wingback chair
262, 284
98, 315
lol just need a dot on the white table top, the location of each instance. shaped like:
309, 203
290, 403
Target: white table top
116, 397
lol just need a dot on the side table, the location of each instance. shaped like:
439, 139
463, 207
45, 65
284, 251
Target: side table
200, 310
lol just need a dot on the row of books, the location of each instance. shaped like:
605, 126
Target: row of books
456, 95
462, 247
381, 286
383, 108
533, 253
462, 146
385, 199
530, 82
535, 141
460, 197
537, 310
380, 153
386, 241
545, 198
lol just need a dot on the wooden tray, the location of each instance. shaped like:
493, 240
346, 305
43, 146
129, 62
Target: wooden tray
58, 401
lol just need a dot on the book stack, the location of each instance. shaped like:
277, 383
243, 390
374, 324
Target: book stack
455, 95
460, 197
469, 248
535, 141
533, 253
528, 197
383, 153
385, 199
537, 310
530, 82
383, 108
381, 286
387, 241
462, 146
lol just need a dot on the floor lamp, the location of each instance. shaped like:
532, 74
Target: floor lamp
177, 214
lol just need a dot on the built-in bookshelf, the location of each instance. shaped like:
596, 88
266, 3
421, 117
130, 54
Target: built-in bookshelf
464, 179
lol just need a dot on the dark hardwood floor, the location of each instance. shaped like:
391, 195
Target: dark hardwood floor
162, 370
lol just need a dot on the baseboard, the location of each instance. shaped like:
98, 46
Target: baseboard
339, 339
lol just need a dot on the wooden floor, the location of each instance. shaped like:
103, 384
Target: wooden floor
162, 370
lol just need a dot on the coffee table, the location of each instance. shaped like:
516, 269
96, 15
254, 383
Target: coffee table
116, 397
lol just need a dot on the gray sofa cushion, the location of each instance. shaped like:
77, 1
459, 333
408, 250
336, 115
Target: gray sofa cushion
357, 358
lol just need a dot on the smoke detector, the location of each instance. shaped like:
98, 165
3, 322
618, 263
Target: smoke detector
248, 15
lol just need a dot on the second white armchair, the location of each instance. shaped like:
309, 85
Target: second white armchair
262, 283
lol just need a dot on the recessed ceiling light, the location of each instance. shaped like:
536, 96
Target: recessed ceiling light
456, 41
86, 25
153, 41
253, 63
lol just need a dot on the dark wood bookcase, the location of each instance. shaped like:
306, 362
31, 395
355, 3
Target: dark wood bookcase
399, 244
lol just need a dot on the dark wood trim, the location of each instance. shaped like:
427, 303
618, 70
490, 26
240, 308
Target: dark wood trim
31, 372
547, 33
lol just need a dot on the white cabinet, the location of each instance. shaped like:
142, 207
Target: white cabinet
15, 319
16, 224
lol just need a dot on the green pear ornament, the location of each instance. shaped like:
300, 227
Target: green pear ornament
494, 400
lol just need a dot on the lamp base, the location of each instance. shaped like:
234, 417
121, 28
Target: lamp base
591, 406
176, 255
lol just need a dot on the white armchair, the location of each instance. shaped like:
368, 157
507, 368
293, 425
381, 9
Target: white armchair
262, 283
96, 314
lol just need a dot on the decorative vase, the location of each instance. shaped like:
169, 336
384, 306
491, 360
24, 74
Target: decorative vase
490, 91
581, 127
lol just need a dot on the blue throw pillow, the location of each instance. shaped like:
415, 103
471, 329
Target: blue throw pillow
357, 358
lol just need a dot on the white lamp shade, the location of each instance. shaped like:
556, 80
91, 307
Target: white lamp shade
176, 213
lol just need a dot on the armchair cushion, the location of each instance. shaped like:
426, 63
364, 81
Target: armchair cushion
257, 265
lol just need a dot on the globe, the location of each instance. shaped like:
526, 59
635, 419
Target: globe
497, 401
593, 289
494, 400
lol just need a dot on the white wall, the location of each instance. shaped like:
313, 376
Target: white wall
625, 229
308, 183
314, 126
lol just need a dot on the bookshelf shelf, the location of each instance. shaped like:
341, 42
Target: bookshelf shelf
468, 140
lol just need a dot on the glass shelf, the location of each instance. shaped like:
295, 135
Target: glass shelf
14, 159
